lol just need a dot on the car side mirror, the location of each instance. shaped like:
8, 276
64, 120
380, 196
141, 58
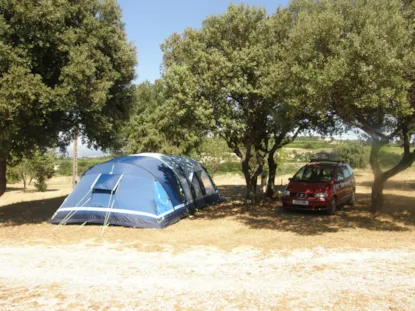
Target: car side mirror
289, 179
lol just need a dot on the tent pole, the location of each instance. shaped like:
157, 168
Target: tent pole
75, 158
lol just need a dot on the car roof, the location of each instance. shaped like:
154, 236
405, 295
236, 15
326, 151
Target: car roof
326, 164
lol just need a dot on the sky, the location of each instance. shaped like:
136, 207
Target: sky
149, 22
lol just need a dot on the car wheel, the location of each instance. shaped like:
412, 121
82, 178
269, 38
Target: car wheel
352, 200
333, 207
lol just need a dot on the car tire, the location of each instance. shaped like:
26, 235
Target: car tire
333, 207
352, 200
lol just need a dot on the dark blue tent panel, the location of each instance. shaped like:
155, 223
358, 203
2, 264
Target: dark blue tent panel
145, 190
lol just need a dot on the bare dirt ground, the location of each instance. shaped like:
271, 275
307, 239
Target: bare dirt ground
227, 257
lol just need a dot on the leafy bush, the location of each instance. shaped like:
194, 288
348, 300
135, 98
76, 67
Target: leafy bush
43, 168
12, 175
309, 146
65, 165
353, 153
388, 159
230, 167
287, 169
65, 168
212, 153
300, 156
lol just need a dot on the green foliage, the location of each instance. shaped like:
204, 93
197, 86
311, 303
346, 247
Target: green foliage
154, 125
86, 164
65, 165
356, 59
301, 156
287, 169
353, 153
389, 159
42, 167
309, 146
212, 153
65, 168
233, 167
13, 175
63, 64
229, 78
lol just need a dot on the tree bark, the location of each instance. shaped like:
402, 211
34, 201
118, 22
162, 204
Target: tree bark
250, 186
251, 181
272, 167
3, 180
377, 194
382, 177
75, 158
24, 182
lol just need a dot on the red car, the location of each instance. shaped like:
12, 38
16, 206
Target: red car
321, 185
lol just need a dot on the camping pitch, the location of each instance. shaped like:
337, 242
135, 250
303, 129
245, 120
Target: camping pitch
146, 190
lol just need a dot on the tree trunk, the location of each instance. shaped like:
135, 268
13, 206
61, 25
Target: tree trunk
377, 194
251, 183
24, 182
3, 180
75, 158
382, 177
272, 167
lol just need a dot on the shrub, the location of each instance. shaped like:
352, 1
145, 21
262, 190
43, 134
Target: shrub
230, 167
353, 153
12, 175
309, 146
213, 152
42, 165
65, 168
389, 159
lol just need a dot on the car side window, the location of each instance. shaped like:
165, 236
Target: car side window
346, 172
350, 169
339, 175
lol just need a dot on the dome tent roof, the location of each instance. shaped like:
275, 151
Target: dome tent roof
144, 190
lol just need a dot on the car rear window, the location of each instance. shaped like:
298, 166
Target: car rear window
314, 174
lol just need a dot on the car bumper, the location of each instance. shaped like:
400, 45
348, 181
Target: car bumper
313, 204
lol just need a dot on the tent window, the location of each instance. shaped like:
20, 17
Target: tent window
161, 198
207, 183
196, 187
107, 183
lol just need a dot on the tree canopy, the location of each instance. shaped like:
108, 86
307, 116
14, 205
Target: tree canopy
357, 59
237, 83
63, 65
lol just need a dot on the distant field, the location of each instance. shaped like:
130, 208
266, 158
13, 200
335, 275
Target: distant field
303, 145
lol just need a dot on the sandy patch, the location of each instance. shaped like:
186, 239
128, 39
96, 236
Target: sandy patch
101, 278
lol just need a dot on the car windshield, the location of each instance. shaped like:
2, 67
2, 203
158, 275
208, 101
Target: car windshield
312, 173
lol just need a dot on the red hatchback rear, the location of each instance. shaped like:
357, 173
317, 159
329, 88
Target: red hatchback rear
321, 185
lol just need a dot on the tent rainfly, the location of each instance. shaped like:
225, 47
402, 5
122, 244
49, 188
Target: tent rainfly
146, 190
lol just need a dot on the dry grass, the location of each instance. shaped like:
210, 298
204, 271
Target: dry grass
57, 187
227, 256
227, 225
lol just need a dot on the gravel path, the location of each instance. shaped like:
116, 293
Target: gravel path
106, 278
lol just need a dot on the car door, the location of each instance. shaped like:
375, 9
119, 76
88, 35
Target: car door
348, 183
339, 186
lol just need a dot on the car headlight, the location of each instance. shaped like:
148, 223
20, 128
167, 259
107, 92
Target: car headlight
286, 193
321, 195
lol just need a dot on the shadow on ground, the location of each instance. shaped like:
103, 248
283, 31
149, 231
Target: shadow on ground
11, 189
33, 212
405, 185
398, 215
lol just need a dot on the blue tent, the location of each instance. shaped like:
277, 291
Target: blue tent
147, 190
